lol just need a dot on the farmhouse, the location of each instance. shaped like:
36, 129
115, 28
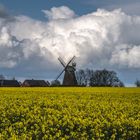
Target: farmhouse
9, 83
35, 83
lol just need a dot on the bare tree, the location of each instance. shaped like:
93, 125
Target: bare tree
89, 74
83, 77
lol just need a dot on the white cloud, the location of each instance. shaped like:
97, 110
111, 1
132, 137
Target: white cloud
102, 39
126, 56
129, 7
62, 12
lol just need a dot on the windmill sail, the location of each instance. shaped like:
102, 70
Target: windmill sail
62, 62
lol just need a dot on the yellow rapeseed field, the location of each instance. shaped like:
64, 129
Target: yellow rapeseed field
70, 113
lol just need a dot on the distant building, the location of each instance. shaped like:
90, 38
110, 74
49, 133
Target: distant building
9, 83
35, 83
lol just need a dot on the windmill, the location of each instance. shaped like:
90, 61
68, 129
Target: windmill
69, 69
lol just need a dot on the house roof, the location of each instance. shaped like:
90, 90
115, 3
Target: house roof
9, 83
35, 83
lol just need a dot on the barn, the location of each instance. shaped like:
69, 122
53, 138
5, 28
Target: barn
35, 83
9, 83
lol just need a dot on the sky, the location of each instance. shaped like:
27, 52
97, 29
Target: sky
101, 34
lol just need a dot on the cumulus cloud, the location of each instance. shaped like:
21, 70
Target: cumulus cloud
128, 6
101, 39
126, 56
62, 12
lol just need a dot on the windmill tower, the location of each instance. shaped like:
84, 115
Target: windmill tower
69, 75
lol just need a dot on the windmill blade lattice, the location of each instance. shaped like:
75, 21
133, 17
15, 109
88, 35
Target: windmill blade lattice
62, 62
65, 67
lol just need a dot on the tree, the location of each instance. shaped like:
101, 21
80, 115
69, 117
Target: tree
55, 83
89, 74
83, 77
137, 83
105, 78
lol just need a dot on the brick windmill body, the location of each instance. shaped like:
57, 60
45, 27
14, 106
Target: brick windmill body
69, 75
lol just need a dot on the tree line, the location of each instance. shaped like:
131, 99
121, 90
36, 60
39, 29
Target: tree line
97, 78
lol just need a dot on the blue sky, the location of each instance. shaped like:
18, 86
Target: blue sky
33, 8
33, 33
